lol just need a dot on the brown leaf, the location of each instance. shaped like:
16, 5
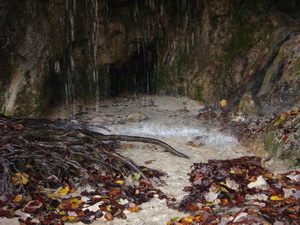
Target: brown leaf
193, 207
108, 216
134, 209
115, 192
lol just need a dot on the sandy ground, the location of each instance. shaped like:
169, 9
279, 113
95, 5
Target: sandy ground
170, 119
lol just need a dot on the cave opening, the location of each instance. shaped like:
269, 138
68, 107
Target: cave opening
136, 74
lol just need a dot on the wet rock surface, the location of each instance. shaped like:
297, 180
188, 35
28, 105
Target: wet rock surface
66, 50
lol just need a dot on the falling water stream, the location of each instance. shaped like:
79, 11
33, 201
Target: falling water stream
170, 119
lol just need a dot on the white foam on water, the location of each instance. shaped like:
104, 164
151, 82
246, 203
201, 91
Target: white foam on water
204, 135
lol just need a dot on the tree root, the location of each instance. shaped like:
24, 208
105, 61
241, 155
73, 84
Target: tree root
52, 153
104, 137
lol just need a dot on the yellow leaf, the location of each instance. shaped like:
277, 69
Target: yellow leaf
52, 195
268, 175
64, 191
276, 198
28, 166
75, 203
108, 208
20, 176
223, 103
224, 189
62, 213
281, 118
18, 198
64, 218
73, 219
120, 182
189, 219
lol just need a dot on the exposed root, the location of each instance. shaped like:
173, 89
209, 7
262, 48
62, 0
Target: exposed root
164, 145
52, 153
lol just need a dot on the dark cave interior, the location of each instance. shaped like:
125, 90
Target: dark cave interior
136, 75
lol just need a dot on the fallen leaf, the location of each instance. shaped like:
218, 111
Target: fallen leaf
193, 207
108, 216
276, 198
72, 219
223, 103
64, 191
259, 183
211, 196
19, 127
252, 179
268, 175
115, 192
281, 118
75, 203
95, 207
284, 138
174, 219
232, 184
119, 182
20, 176
18, 198
64, 218
134, 209
189, 219
122, 201
293, 216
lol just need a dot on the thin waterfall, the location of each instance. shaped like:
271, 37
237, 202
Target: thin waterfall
70, 76
94, 48
74, 79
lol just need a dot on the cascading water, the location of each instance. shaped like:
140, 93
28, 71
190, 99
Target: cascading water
79, 65
94, 47
70, 72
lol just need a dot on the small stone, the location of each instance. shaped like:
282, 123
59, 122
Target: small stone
136, 117
247, 105
182, 110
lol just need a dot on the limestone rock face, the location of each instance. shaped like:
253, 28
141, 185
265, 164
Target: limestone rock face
64, 50
244, 51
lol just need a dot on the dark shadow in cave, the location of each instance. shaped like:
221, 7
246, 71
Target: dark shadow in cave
135, 76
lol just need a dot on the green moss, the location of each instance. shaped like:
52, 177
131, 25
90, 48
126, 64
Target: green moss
296, 67
198, 92
247, 31
181, 90
29, 104
270, 142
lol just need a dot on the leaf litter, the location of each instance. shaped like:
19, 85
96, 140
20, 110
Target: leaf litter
240, 191
45, 166
237, 191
